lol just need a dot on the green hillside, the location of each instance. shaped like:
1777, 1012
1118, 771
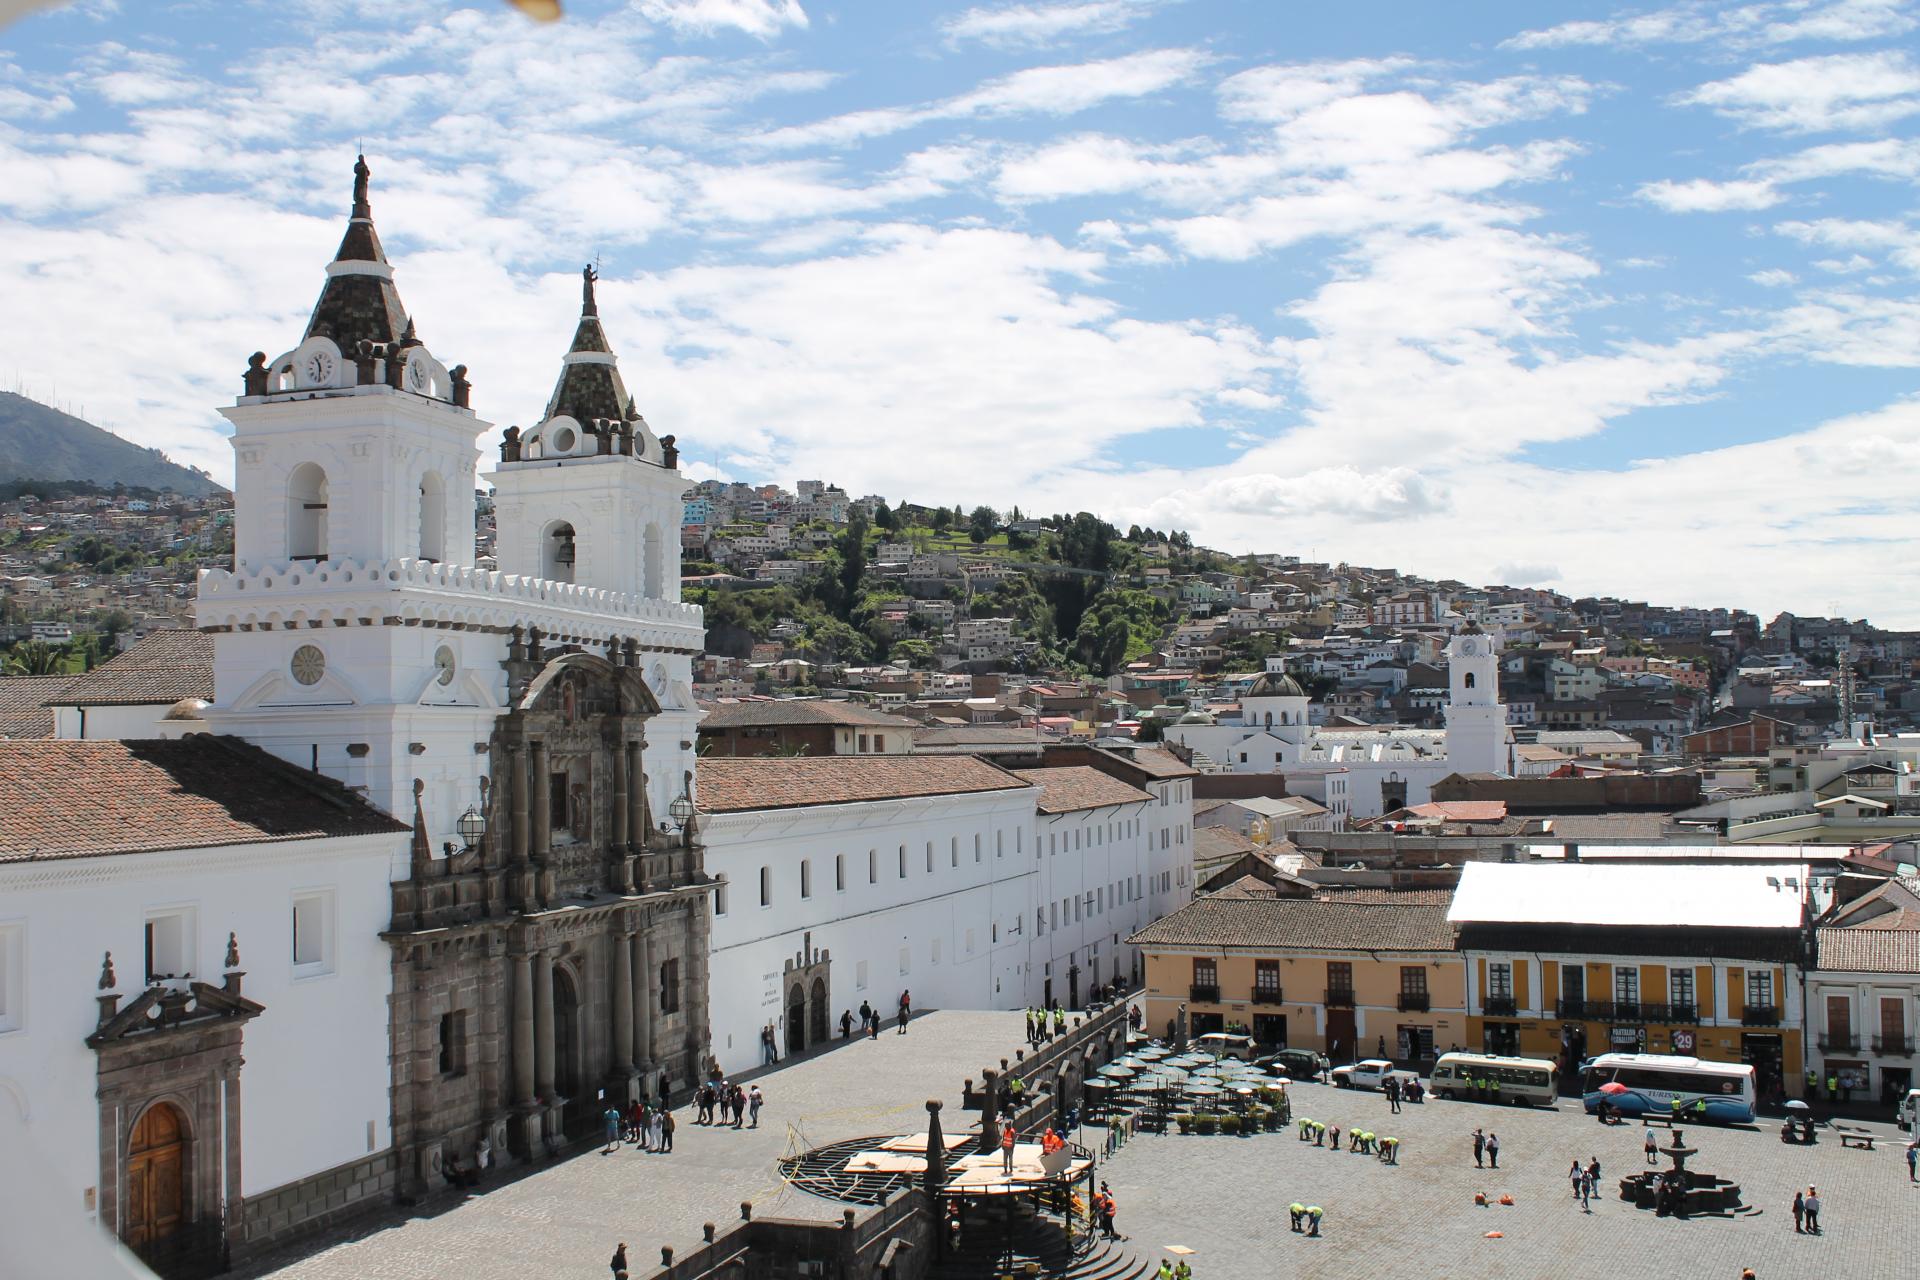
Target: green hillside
42, 443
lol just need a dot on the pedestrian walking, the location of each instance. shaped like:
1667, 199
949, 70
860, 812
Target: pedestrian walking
619, 1264
1479, 1150
1007, 1139
611, 1120
739, 1106
755, 1100
906, 1010
1799, 1213
666, 1088
1059, 1021
1165, 1272
1587, 1186
873, 1025
663, 1131
769, 1050
1493, 1151
1575, 1175
1813, 1211
1652, 1149
1393, 1094
1181, 1271
1913, 1159
846, 1024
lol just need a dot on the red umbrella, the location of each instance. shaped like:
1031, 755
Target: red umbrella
1613, 1086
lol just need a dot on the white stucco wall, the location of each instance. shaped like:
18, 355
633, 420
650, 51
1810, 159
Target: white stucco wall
316, 1074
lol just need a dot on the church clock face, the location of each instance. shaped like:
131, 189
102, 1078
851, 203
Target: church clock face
417, 375
443, 662
308, 664
319, 369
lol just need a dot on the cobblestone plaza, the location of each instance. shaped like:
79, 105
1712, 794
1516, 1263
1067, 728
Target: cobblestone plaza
1224, 1197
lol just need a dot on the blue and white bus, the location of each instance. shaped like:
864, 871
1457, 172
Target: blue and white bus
1652, 1081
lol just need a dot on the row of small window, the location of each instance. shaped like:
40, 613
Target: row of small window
1626, 984
1091, 837
1174, 792
873, 867
1073, 910
170, 949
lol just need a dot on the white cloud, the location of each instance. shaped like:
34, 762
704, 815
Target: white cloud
1699, 195
1057, 91
1898, 242
1525, 574
1807, 95
1740, 26
1033, 26
1774, 278
762, 18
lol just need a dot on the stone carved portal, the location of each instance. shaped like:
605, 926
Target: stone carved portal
808, 980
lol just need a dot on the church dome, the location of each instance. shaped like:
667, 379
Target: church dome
1276, 684
186, 709
1196, 716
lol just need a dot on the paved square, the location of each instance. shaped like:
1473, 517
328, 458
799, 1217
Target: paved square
1226, 1197
565, 1219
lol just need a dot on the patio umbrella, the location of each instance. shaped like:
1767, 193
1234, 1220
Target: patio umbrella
1613, 1087
1117, 1072
1204, 1090
1794, 1104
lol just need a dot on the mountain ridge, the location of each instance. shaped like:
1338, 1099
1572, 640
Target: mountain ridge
39, 442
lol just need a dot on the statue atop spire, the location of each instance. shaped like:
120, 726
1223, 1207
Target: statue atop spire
587, 305
361, 207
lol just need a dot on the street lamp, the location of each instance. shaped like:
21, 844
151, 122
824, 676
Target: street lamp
471, 825
682, 810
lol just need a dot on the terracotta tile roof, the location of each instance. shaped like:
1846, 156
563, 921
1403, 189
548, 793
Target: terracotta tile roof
1417, 897
1247, 886
1298, 924
1213, 845
736, 784
24, 712
1076, 787
160, 667
799, 711
71, 799
1869, 950
1159, 762
1461, 810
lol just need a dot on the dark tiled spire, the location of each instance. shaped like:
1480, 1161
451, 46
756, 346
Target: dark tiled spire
359, 305
590, 389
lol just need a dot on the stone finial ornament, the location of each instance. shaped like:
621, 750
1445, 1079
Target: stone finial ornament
255, 378
233, 952
107, 979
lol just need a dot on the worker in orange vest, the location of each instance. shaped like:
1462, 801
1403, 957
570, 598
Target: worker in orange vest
1007, 1139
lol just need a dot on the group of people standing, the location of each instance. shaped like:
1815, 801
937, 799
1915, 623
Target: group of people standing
649, 1128
1044, 1024
730, 1102
870, 1018
1586, 1181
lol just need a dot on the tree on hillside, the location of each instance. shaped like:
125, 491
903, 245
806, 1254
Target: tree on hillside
36, 658
982, 523
942, 519
852, 546
883, 518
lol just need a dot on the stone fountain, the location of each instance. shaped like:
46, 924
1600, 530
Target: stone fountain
1680, 1191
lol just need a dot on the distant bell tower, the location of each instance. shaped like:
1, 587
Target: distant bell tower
590, 495
1477, 734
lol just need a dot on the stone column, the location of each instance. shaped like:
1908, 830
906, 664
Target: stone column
542, 806
543, 1025
230, 1105
518, 801
618, 838
524, 1087
643, 1001
989, 1111
637, 800
622, 1065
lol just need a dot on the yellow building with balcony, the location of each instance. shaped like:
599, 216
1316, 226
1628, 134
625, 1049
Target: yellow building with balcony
1569, 961
1352, 974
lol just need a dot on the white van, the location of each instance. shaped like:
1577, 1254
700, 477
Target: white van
1909, 1110
1220, 1044
1485, 1077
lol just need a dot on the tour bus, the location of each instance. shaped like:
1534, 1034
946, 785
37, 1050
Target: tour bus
1522, 1081
1652, 1081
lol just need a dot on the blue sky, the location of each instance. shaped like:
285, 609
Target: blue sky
1608, 299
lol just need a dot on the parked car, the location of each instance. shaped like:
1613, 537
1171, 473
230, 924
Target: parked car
1295, 1064
1369, 1073
1220, 1044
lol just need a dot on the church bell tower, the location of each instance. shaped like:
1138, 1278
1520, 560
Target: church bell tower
1477, 733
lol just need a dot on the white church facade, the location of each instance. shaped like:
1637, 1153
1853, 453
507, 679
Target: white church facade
1362, 772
